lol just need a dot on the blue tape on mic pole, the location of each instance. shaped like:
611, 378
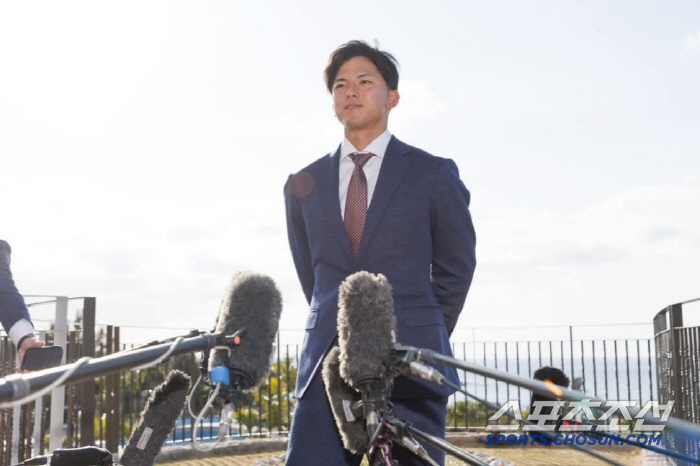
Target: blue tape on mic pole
220, 375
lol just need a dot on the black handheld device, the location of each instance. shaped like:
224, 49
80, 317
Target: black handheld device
36, 359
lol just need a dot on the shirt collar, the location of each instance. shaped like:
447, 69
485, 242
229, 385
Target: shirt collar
377, 147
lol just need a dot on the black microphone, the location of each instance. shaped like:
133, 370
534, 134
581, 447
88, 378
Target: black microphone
251, 301
344, 399
84, 456
158, 419
366, 334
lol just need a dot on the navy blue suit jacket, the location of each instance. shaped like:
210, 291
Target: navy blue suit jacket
418, 233
12, 306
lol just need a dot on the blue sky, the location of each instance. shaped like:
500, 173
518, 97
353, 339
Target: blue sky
144, 146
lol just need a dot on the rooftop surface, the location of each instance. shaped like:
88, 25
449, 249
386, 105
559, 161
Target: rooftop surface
270, 452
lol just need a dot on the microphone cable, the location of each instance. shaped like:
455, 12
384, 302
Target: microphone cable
200, 417
163, 357
205, 409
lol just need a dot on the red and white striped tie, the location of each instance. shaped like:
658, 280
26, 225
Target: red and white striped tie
356, 201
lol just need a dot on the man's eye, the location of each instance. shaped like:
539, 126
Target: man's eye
365, 81
338, 86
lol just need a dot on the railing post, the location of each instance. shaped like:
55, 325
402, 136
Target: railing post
112, 399
87, 401
571, 353
38, 409
16, 414
675, 318
58, 396
110, 435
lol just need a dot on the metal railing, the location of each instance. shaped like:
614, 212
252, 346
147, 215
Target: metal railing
22, 436
678, 371
104, 411
610, 369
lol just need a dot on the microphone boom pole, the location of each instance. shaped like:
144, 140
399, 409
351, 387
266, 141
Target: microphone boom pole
433, 357
18, 386
437, 442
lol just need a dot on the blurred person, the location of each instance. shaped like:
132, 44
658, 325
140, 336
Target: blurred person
555, 376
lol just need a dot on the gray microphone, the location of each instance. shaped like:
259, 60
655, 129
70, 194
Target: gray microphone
251, 306
251, 301
344, 399
369, 359
366, 334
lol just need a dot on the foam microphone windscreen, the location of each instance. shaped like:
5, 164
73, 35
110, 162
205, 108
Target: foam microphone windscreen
366, 324
252, 301
342, 398
158, 419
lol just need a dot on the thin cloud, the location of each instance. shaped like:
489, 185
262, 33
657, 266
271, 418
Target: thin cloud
617, 260
691, 45
418, 101
661, 233
590, 256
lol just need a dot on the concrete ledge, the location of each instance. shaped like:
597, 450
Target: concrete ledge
262, 445
227, 448
276, 444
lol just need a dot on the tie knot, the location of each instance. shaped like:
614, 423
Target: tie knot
361, 158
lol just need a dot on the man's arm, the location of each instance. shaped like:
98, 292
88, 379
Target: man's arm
454, 242
14, 314
296, 231
12, 306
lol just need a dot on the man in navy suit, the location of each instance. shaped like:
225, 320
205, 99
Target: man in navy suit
415, 229
13, 311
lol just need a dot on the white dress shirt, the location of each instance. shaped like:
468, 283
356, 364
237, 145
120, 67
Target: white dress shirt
371, 168
20, 328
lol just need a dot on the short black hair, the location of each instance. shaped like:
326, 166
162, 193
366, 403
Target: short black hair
384, 61
557, 377
554, 375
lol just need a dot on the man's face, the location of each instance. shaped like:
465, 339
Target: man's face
361, 98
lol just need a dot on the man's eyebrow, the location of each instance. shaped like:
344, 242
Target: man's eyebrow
363, 75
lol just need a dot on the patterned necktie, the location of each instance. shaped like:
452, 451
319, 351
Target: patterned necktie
356, 201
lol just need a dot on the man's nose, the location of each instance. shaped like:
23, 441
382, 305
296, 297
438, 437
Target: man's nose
351, 90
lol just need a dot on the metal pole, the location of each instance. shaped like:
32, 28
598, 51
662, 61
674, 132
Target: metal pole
58, 396
571, 353
38, 409
111, 363
16, 413
432, 357
675, 318
87, 392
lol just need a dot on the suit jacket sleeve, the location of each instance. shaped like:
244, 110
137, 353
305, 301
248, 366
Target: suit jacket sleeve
453, 241
298, 239
12, 305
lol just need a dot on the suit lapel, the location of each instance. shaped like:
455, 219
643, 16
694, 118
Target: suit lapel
333, 212
394, 166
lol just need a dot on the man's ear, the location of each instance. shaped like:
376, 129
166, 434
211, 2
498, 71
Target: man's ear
393, 100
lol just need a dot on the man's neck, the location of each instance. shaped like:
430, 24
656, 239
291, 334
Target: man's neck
360, 139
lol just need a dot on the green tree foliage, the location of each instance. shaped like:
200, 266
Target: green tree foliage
467, 414
272, 404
